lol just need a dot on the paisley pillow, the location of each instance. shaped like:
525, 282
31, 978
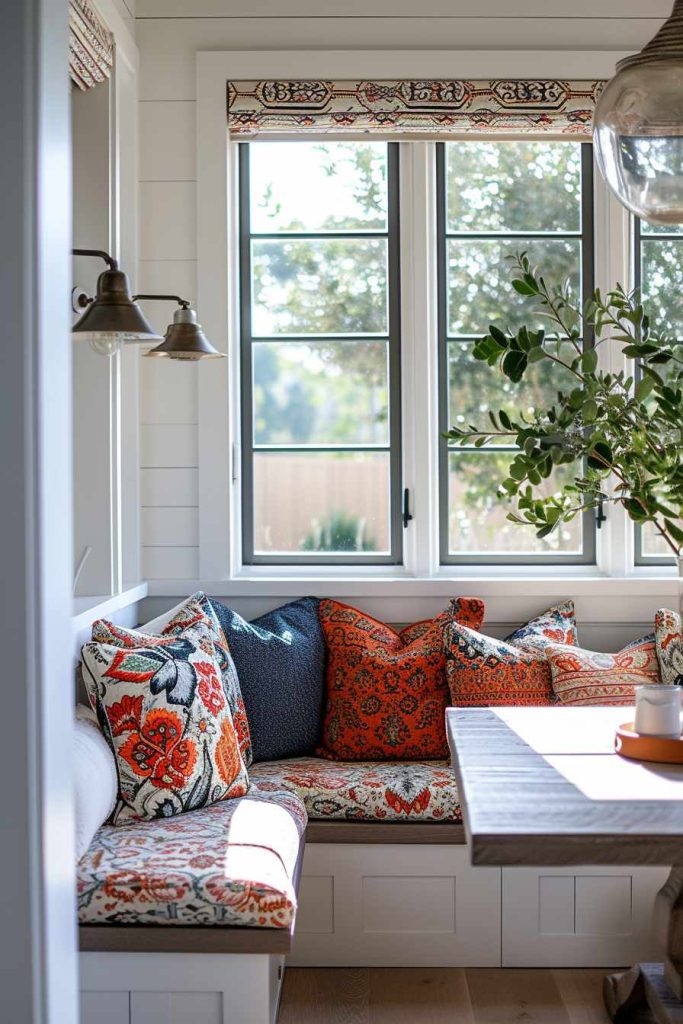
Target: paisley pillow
194, 609
669, 644
582, 677
557, 626
485, 672
386, 691
162, 706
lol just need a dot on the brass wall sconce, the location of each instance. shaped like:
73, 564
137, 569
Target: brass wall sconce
113, 318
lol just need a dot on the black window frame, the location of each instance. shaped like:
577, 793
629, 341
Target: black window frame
393, 340
586, 236
639, 235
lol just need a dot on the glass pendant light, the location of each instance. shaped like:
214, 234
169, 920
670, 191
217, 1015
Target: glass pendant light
638, 131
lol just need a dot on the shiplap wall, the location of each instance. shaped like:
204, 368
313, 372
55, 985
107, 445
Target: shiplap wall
169, 33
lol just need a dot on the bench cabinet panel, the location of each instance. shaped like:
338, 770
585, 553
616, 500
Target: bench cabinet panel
176, 1007
579, 917
105, 1008
396, 905
180, 988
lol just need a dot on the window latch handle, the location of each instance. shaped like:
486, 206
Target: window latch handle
600, 516
407, 517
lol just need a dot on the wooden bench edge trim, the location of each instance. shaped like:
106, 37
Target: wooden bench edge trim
106, 938
425, 833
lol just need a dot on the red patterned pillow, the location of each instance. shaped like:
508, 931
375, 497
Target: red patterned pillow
194, 609
484, 672
162, 706
386, 691
669, 643
588, 677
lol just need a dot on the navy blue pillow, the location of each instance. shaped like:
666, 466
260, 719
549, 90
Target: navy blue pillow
280, 661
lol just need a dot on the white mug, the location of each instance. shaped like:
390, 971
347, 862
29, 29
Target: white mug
658, 711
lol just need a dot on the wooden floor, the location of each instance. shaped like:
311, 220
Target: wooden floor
441, 996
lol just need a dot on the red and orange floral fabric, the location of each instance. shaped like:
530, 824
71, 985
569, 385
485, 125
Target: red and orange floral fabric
582, 677
229, 864
373, 791
195, 609
162, 706
386, 691
669, 643
485, 672
555, 626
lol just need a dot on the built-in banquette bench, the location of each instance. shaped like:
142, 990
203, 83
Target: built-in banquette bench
380, 877
385, 881
191, 918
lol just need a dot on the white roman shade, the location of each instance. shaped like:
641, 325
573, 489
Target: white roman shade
91, 46
506, 108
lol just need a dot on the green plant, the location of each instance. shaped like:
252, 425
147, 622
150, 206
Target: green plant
340, 531
624, 436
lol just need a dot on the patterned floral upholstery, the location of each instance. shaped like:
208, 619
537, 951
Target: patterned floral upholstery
231, 863
365, 791
669, 642
590, 677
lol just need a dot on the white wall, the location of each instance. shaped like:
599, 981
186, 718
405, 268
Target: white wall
106, 427
37, 913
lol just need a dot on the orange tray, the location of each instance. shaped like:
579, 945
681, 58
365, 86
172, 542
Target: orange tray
629, 743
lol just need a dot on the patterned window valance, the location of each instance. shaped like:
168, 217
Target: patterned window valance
91, 46
505, 107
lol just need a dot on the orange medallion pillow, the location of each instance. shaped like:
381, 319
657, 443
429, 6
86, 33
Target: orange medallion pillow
485, 672
386, 691
589, 677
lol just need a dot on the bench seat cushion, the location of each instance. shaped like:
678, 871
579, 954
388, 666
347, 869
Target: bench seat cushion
231, 863
366, 790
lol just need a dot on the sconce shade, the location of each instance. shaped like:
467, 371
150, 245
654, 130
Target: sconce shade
638, 131
185, 339
113, 317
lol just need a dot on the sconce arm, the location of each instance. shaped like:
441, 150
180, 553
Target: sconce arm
100, 254
171, 298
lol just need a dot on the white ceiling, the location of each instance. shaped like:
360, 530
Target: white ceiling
513, 9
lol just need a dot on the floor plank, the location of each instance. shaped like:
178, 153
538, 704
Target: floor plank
441, 996
325, 995
512, 996
581, 992
427, 995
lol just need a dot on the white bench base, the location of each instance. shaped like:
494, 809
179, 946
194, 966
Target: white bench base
390, 905
178, 988
382, 905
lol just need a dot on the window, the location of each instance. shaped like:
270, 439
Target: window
320, 348
320, 303
494, 200
659, 275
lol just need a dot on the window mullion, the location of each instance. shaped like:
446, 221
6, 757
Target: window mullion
613, 262
419, 354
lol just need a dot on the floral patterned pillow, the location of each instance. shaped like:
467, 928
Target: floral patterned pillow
557, 626
195, 609
669, 644
162, 706
485, 672
582, 677
386, 691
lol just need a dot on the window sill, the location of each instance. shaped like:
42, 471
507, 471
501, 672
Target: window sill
562, 583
